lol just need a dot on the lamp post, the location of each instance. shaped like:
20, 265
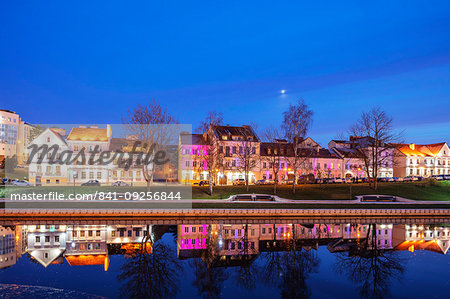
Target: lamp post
75, 175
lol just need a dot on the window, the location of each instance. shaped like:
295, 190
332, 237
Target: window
56, 239
130, 233
99, 175
38, 239
194, 229
91, 175
74, 234
47, 239
82, 233
97, 246
89, 246
90, 233
97, 233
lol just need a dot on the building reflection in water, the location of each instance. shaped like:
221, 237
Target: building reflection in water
365, 253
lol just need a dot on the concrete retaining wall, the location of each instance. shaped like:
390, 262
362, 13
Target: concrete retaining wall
225, 213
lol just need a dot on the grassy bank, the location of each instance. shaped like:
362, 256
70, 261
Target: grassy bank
417, 190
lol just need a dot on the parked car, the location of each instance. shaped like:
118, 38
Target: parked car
22, 183
412, 178
239, 182
91, 183
306, 179
288, 182
204, 183
437, 177
447, 177
120, 184
261, 182
336, 181
397, 179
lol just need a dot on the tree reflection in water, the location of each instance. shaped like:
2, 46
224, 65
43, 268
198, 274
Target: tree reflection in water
153, 271
371, 268
209, 279
289, 270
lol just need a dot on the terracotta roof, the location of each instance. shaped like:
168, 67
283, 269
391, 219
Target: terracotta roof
88, 134
435, 148
407, 150
420, 245
421, 149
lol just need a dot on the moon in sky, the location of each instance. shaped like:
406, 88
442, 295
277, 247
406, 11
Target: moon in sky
283, 91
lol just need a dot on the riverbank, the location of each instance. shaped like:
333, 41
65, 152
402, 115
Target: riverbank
424, 191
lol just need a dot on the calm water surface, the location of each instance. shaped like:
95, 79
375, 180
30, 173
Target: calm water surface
220, 259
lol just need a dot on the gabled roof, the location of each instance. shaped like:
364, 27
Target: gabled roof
38, 255
88, 134
246, 131
421, 149
287, 149
58, 135
435, 148
346, 152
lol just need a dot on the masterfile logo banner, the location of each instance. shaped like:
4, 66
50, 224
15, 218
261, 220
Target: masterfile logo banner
100, 166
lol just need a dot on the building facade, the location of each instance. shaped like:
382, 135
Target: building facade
422, 159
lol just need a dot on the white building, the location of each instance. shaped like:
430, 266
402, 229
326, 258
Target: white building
422, 159
46, 242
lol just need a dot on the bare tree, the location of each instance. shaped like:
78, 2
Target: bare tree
247, 152
372, 269
152, 126
212, 156
151, 275
374, 140
273, 152
212, 117
296, 124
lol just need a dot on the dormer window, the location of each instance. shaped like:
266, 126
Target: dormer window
48, 139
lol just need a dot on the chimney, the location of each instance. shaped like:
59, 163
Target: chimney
412, 146
83, 126
94, 127
108, 131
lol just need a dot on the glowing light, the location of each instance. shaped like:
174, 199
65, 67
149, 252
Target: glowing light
283, 91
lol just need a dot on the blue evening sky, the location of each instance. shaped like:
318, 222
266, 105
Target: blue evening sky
74, 62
